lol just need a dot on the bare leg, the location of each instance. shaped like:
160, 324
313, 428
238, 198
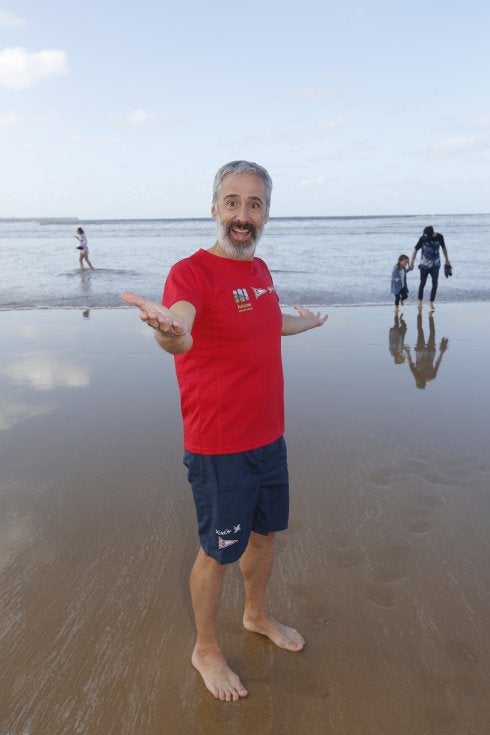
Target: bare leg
419, 305
206, 583
88, 261
256, 566
80, 260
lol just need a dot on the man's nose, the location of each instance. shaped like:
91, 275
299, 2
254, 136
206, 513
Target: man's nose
243, 213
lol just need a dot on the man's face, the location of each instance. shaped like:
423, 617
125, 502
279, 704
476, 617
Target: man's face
240, 214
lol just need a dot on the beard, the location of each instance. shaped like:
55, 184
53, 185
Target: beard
237, 249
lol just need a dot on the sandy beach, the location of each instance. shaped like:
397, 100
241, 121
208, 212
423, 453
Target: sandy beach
385, 568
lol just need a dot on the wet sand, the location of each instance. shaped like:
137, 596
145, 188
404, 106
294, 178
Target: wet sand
385, 568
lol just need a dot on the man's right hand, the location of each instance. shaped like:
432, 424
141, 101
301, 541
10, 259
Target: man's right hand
173, 331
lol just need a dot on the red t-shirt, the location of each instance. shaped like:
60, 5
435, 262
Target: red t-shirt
231, 380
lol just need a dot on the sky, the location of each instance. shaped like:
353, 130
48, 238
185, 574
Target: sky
127, 109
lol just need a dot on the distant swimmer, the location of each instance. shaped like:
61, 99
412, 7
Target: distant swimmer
430, 261
83, 247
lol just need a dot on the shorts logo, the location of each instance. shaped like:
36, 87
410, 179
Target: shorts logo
242, 299
224, 543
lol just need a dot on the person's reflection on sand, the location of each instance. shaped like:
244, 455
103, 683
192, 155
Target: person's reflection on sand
396, 337
426, 365
85, 281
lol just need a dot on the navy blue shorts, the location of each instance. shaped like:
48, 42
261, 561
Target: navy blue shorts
235, 494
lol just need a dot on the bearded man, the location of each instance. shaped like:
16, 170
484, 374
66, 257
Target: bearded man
220, 317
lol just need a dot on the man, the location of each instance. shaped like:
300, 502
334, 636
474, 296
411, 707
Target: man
430, 262
221, 319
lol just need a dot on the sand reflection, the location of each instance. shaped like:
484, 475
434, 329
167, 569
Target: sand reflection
425, 360
46, 371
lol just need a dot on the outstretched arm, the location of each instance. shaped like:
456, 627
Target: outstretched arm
302, 322
172, 326
412, 260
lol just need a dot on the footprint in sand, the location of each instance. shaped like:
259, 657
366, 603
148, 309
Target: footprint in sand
422, 512
344, 551
388, 566
465, 666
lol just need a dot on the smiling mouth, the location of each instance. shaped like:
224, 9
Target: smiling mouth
241, 232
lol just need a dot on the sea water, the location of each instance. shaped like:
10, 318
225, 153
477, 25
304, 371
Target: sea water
318, 261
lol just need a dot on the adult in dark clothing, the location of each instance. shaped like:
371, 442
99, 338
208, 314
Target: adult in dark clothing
430, 261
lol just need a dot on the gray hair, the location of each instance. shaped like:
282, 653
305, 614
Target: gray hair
243, 167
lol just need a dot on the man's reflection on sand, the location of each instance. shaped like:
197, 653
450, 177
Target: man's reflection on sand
426, 364
396, 337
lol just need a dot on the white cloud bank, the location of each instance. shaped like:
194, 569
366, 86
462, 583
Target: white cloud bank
21, 69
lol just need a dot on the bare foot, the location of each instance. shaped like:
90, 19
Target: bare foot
218, 678
432, 307
280, 634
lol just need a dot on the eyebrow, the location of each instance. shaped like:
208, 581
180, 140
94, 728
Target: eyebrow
252, 199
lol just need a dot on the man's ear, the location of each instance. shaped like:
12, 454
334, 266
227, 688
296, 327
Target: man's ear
213, 211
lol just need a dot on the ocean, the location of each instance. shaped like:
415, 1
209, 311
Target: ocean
315, 261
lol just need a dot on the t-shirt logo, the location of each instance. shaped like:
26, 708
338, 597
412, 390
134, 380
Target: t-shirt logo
242, 299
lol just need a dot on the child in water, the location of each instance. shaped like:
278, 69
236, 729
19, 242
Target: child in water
399, 280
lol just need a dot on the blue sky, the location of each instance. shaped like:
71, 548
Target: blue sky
127, 109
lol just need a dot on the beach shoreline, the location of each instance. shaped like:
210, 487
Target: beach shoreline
384, 568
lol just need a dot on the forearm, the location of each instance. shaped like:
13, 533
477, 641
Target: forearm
412, 259
174, 345
297, 324
173, 327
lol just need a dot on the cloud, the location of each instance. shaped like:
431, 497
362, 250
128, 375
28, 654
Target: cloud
456, 145
332, 123
263, 137
141, 117
9, 20
356, 149
134, 118
312, 182
311, 95
480, 121
14, 120
20, 69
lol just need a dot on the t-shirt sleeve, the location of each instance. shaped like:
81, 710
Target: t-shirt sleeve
183, 284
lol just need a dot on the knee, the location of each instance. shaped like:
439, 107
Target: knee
261, 541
